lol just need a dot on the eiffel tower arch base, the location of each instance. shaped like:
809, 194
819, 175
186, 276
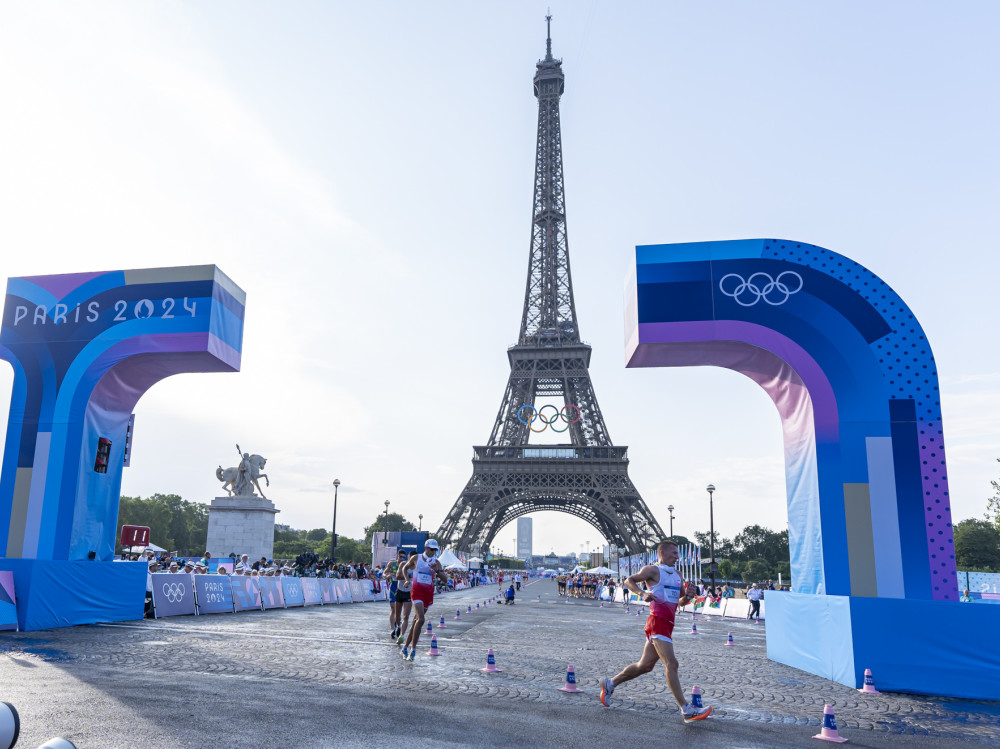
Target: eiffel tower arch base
591, 483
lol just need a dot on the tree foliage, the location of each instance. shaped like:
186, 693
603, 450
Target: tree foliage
755, 553
174, 523
993, 504
391, 523
977, 545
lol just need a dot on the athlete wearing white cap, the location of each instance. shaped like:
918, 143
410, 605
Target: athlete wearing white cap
424, 566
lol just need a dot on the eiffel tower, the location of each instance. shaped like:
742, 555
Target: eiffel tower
588, 476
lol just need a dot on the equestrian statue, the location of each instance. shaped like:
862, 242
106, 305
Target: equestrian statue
240, 480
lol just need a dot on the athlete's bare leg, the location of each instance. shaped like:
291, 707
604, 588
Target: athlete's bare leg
654, 652
406, 606
645, 664
418, 625
665, 651
393, 615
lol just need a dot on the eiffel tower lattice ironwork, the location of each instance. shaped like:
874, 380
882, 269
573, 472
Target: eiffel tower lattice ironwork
588, 476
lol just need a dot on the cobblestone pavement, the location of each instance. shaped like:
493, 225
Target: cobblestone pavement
258, 668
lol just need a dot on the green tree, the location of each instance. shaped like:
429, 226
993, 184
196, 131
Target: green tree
351, 550
174, 523
977, 545
758, 542
993, 504
153, 515
391, 523
726, 569
756, 570
291, 549
317, 534
702, 540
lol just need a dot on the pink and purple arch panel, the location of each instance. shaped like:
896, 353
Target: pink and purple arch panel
853, 378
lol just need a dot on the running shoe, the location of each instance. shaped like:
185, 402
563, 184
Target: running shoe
404, 654
607, 688
696, 714
414, 652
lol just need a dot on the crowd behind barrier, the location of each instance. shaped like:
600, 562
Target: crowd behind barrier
733, 608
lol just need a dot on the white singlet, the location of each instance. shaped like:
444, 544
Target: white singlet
425, 573
405, 586
666, 592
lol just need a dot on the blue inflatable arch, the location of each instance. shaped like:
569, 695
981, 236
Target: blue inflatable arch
852, 376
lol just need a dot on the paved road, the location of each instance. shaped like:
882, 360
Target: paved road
325, 677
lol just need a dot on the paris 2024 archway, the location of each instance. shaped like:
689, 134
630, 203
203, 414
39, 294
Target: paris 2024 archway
852, 375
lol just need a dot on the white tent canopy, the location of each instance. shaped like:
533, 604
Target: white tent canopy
450, 561
150, 547
475, 560
600, 571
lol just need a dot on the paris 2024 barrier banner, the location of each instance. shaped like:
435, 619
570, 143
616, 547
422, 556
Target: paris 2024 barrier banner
179, 594
84, 348
854, 381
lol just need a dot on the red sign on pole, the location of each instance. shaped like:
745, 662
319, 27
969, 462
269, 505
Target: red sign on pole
135, 535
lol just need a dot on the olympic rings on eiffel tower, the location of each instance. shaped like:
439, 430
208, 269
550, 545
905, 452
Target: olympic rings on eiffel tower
548, 421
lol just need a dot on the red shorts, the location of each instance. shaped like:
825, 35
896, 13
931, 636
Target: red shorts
422, 593
659, 628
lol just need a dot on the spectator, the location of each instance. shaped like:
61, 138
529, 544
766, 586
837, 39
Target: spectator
206, 560
965, 597
727, 592
754, 595
509, 596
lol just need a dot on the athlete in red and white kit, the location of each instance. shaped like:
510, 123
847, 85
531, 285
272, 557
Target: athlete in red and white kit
424, 567
663, 592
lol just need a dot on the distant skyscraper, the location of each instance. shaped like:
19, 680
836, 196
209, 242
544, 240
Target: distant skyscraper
523, 538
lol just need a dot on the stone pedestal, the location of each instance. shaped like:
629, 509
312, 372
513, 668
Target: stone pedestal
241, 525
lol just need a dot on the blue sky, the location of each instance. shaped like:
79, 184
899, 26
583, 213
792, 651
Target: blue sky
364, 172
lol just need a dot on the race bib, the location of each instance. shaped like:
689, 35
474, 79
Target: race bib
671, 594
424, 578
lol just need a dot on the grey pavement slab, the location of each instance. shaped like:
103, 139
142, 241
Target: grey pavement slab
330, 677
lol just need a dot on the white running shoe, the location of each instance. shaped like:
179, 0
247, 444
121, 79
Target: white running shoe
607, 688
691, 713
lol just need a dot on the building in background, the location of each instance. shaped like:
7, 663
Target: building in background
524, 538
596, 560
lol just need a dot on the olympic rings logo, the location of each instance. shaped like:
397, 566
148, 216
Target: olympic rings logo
174, 591
539, 415
759, 286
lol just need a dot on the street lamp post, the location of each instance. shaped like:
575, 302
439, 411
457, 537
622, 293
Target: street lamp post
670, 509
711, 534
421, 519
333, 533
385, 525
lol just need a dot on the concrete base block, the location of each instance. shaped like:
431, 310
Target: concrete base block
241, 525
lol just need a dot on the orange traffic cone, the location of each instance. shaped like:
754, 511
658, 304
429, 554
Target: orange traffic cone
491, 663
570, 685
458, 613
442, 624
829, 730
869, 686
434, 646
730, 642
694, 628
